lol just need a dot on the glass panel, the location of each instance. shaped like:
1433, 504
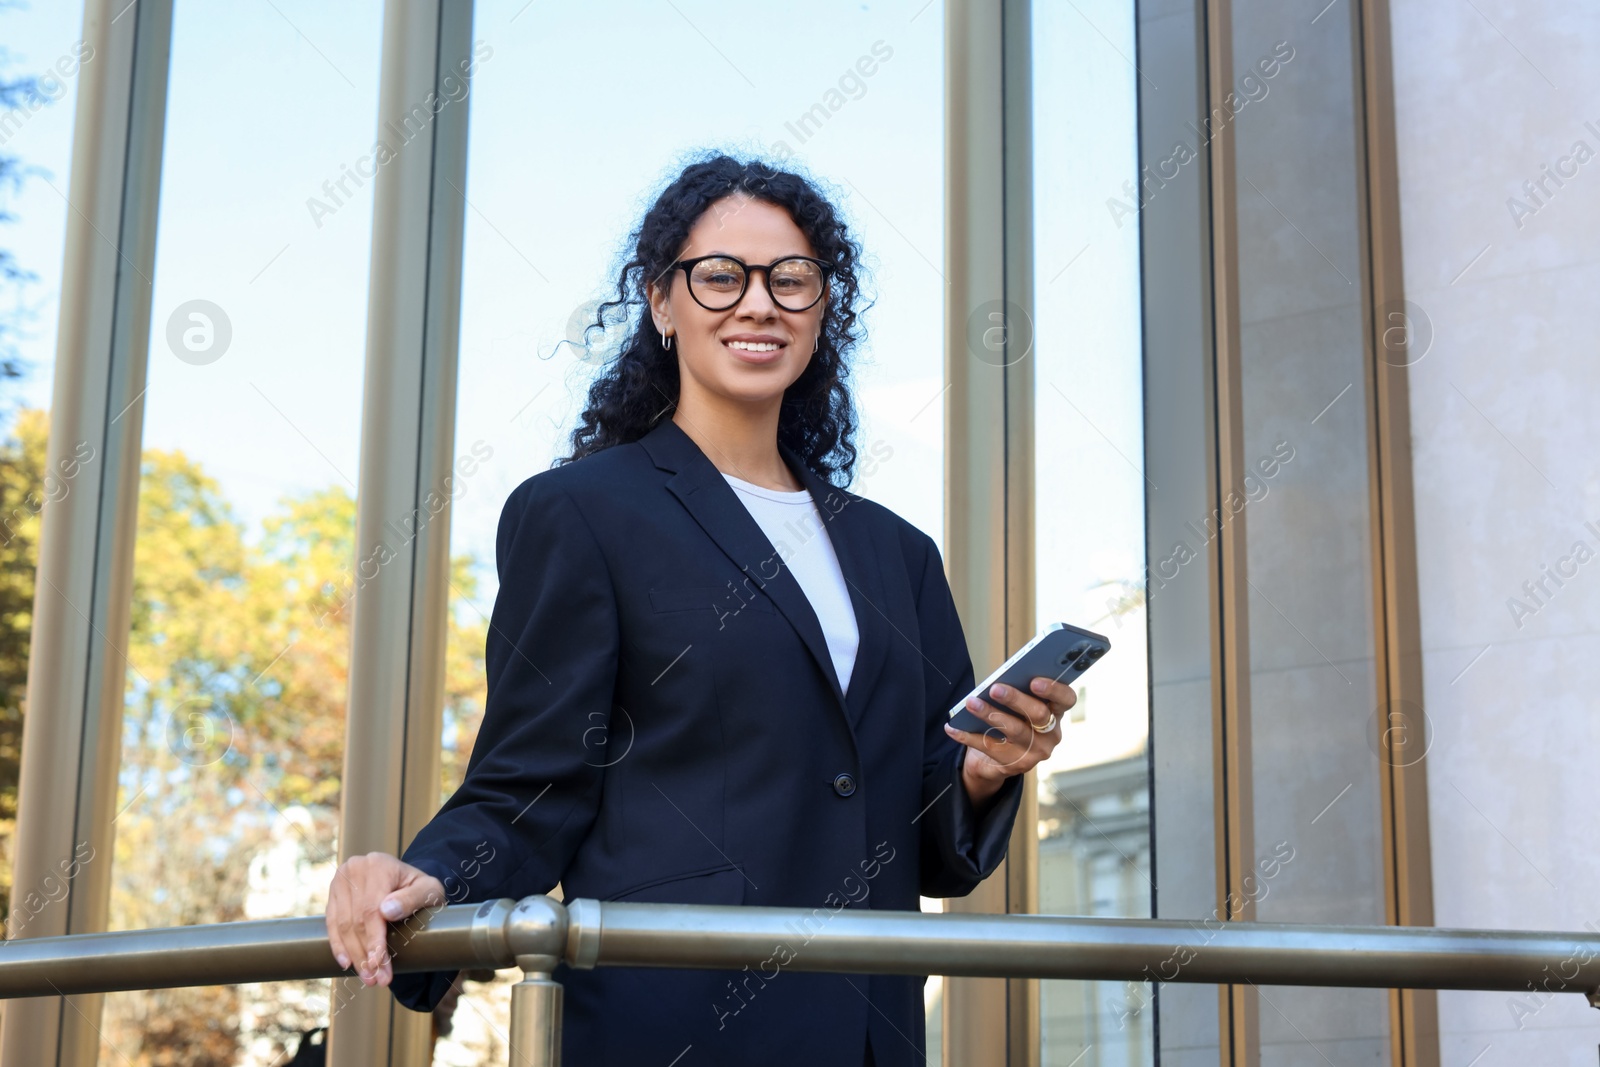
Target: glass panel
543, 234
233, 735
1317, 825
42, 43
1171, 205
1094, 793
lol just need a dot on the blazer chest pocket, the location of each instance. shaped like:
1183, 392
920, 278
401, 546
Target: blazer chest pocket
712, 599
722, 884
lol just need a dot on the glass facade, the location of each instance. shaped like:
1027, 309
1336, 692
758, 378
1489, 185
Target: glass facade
1089, 487
1315, 785
860, 110
238, 658
1205, 225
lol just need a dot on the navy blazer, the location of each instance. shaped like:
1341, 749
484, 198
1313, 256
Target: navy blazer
664, 724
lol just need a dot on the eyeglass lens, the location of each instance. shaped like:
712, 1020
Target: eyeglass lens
795, 284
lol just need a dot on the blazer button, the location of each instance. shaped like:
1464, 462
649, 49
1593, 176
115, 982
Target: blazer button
844, 785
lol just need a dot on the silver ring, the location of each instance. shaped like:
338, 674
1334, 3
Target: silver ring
1050, 724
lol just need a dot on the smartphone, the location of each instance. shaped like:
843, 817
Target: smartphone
1059, 651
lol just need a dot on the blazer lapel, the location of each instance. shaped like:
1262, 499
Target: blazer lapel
707, 496
846, 522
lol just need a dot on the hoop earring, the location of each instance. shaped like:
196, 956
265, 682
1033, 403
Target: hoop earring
815, 341
666, 341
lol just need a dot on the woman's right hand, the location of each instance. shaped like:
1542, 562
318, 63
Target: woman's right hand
368, 893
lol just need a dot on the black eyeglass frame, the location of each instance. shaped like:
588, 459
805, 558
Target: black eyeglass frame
688, 265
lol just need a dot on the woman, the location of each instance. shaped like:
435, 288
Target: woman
714, 677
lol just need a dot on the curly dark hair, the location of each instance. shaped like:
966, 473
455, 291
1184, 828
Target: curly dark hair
639, 384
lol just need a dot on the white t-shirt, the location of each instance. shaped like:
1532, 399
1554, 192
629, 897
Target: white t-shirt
795, 528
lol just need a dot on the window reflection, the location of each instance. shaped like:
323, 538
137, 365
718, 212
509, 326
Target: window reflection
1094, 793
237, 661
1316, 777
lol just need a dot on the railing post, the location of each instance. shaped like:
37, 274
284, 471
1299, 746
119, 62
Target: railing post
535, 1017
539, 933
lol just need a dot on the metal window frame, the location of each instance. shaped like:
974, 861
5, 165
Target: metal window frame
399, 625
87, 544
77, 670
1230, 678
1407, 851
1206, 306
1188, 761
988, 520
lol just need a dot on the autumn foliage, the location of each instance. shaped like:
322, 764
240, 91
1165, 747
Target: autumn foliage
233, 728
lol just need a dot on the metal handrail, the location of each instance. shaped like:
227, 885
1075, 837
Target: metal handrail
537, 933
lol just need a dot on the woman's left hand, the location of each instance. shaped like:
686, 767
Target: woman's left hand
1012, 745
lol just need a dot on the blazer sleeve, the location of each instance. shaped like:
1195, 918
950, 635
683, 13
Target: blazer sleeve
531, 788
960, 848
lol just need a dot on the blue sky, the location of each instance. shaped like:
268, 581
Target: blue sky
578, 114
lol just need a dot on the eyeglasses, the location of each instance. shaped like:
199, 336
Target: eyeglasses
718, 282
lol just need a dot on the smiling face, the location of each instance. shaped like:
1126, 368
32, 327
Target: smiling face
750, 353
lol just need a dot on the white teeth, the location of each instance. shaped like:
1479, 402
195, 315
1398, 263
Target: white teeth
753, 346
